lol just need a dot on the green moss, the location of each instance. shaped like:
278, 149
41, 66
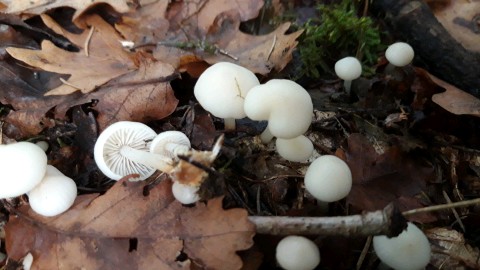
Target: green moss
336, 33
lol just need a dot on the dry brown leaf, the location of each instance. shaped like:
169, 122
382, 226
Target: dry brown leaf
208, 30
455, 100
41, 6
381, 179
125, 229
460, 19
143, 95
106, 58
450, 251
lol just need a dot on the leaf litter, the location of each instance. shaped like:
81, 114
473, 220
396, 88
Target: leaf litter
171, 37
151, 231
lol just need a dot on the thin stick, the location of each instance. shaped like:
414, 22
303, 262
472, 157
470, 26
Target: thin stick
441, 207
365, 249
87, 41
385, 222
273, 47
1, 132
454, 211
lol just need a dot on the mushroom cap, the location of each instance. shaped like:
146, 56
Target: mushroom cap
298, 149
54, 195
169, 143
285, 104
297, 253
348, 68
22, 166
107, 149
221, 89
399, 54
185, 194
409, 250
328, 178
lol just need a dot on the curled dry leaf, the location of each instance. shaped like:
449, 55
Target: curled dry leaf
41, 6
125, 229
455, 100
450, 251
100, 59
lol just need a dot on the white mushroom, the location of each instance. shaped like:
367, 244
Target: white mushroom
297, 253
399, 54
348, 69
410, 250
285, 104
123, 149
22, 166
221, 90
328, 178
54, 195
298, 149
185, 194
170, 144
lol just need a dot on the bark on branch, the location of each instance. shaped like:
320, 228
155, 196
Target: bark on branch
388, 221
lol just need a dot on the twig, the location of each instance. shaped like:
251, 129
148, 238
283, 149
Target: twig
273, 47
454, 211
388, 221
441, 207
1, 132
87, 41
365, 249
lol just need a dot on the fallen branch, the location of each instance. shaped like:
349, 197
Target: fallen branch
388, 221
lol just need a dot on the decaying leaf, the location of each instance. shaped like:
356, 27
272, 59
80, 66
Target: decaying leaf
381, 179
100, 59
125, 229
208, 30
461, 20
455, 100
450, 251
40, 6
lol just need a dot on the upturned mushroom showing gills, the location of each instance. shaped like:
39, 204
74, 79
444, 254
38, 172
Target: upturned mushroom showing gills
22, 166
123, 149
170, 144
285, 104
221, 90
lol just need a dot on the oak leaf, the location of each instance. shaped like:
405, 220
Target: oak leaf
100, 59
125, 229
190, 31
41, 6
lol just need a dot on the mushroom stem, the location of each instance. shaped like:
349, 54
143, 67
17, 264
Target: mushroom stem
347, 84
266, 136
146, 158
229, 123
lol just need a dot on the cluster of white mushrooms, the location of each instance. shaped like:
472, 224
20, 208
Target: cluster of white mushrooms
230, 92
126, 148
24, 170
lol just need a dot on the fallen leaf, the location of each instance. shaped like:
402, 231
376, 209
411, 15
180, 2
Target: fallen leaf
41, 6
123, 229
460, 19
141, 96
379, 179
193, 31
100, 59
455, 100
450, 250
